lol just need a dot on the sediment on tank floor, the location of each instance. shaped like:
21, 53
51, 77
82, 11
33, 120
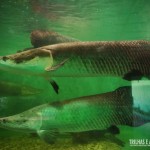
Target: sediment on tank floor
30, 143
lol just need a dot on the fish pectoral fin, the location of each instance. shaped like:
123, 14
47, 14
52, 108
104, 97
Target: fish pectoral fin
133, 75
53, 68
51, 60
49, 136
54, 85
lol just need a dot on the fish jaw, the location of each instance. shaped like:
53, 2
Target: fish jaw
27, 61
27, 122
8, 124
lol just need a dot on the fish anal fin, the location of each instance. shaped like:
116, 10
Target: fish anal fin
133, 75
113, 129
49, 136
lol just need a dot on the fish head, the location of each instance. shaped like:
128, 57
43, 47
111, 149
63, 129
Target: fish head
28, 121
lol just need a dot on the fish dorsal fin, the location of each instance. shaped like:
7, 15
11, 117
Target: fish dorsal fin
49, 136
133, 75
41, 38
124, 93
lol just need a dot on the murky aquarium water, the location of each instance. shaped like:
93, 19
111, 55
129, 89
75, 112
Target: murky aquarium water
74, 74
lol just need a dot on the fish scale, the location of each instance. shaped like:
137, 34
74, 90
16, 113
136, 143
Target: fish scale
100, 114
116, 58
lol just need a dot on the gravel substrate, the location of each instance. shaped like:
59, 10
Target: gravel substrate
34, 143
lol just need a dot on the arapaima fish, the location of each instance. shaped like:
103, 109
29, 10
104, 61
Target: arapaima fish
89, 113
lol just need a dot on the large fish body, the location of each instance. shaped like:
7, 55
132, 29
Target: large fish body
127, 59
89, 113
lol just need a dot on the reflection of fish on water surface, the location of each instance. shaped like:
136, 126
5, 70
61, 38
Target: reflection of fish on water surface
48, 9
90, 113
13, 89
126, 59
57, 10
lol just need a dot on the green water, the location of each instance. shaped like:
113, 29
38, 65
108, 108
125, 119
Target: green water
88, 20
